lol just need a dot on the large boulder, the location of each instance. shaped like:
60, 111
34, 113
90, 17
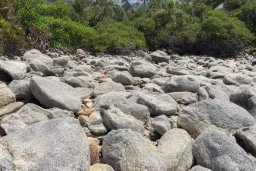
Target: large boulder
15, 70
175, 147
217, 151
237, 79
127, 150
142, 69
58, 144
51, 93
159, 56
36, 54
21, 89
247, 138
221, 113
182, 83
114, 118
219, 71
6, 95
108, 87
124, 78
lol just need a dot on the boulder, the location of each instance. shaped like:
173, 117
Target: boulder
10, 108
199, 168
219, 71
142, 69
14, 69
175, 148
159, 56
51, 93
114, 118
127, 150
182, 83
221, 113
36, 54
217, 92
6, 95
40, 66
161, 124
107, 87
247, 138
184, 97
58, 144
124, 78
21, 89
237, 79
217, 151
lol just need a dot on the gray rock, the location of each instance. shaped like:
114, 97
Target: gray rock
111, 98
217, 151
114, 119
221, 113
6, 95
199, 168
84, 92
97, 127
52, 93
16, 70
58, 144
10, 108
217, 92
127, 150
159, 56
142, 69
138, 111
219, 72
80, 81
247, 136
237, 79
160, 81
108, 87
21, 89
175, 147
241, 95
36, 54
27, 115
182, 83
161, 124
202, 94
252, 106
40, 66
61, 61
101, 167
124, 78
184, 97
161, 105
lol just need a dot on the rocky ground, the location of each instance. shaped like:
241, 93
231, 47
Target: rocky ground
143, 112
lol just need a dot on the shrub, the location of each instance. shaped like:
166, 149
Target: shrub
117, 37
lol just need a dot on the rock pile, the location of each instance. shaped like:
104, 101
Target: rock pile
143, 112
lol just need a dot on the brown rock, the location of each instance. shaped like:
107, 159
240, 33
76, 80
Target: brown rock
94, 152
101, 167
84, 120
84, 111
6, 95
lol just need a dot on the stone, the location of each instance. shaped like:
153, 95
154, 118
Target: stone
247, 137
160, 81
159, 56
182, 83
84, 92
114, 119
252, 106
100, 167
175, 147
80, 81
217, 92
52, 93
217, 151
10, 108
6, 95
161, 105
202, 94
199, 168
61, 61
108, 87
111, 98
219, 72
241, 95
237, 79
127, 150
94, 152
36, 54
124, 78
138, 111
142, 69
184, 97
63, 141
27, 115
221, 113
40, 66
21, 89
161, 124
97, 127
16, 70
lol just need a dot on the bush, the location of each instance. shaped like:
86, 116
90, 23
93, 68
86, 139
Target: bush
116, 37
223, 35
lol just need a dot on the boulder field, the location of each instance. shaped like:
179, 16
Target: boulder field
153, 112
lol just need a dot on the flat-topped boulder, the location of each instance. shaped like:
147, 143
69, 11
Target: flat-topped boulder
51, 93
12, 70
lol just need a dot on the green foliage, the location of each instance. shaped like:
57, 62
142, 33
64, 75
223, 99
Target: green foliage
117, 37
